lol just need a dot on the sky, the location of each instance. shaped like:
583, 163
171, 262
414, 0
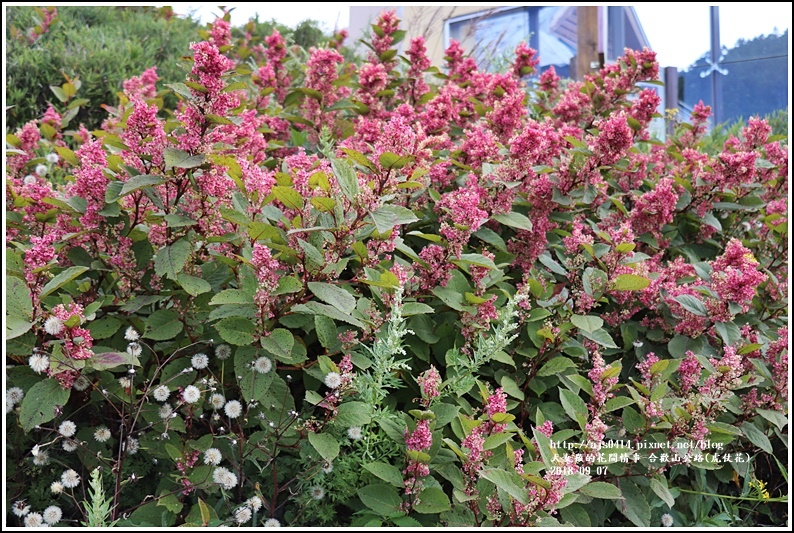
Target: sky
678, 32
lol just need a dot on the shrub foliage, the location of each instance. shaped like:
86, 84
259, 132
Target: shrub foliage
311, 293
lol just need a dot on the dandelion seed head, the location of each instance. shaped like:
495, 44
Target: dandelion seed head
317, 492
41, 170
52, 514
70, 479
53, 325
191, 394
333, 380
14, 395
200, 361
354, 432
217, 401
52, 157
233, 409
102, 434
161, 393
131, 334
242, 515
34, 519
39, 363
223, 351
69, 446
67, 428
667, 520
212, 457
272, 522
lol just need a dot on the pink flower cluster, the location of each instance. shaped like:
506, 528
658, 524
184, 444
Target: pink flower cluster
142, 87
429, 382
420, 439
461, 216
654, 209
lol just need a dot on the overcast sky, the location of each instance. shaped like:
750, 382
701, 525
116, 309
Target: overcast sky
679, 32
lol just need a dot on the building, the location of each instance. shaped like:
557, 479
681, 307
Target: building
491, 33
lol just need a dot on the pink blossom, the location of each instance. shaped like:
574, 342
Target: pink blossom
654, 209
220, 34
421, 438
526, 61
689, 371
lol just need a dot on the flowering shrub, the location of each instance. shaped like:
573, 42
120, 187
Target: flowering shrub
321, 294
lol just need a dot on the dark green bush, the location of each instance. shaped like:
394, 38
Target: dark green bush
100, 46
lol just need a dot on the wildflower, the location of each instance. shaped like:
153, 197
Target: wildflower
200, 361
132, 446
39, 363
327, 467
212, 457
56, 487
223, 351
52, 514
165, 411
224, 478
255, 503
263, 365
317, 492
69, 446
333, 380
41, 170
14, 395
20, 508
131, 334
33, 520
81, 383
161, 393
67, 428
667, 520
242, 515
102, 434
125, 382
53, 325
354, 432
52, 158
217, 401
233, 409
41, 458
191, 394
428, 382
70, 479
134, 349
272, 522
29, 180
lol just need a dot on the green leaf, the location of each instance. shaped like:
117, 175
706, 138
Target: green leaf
632, 420
389, 216
551, 264
601, 337
634, 505
692, 304
232, 296
353, 414
236, 330
381, 498
416, 308
574, 407
602, 490
170, 260
756, 436
547, 454
279, 343
104, 327
390, 160
326, 331
62, 279
387, 473
555, 366
193, 285
514, 220
334, 295
19, 307
316, 308
630, 282
775, 417
179, 221
162, 325
325, 444
432, 500
619, 402
40, 403
136, 183
659, 486
508, 481
288, 196
175, 158
346, 177
588, 323
108, 360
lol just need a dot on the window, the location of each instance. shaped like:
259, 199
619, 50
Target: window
492, 36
